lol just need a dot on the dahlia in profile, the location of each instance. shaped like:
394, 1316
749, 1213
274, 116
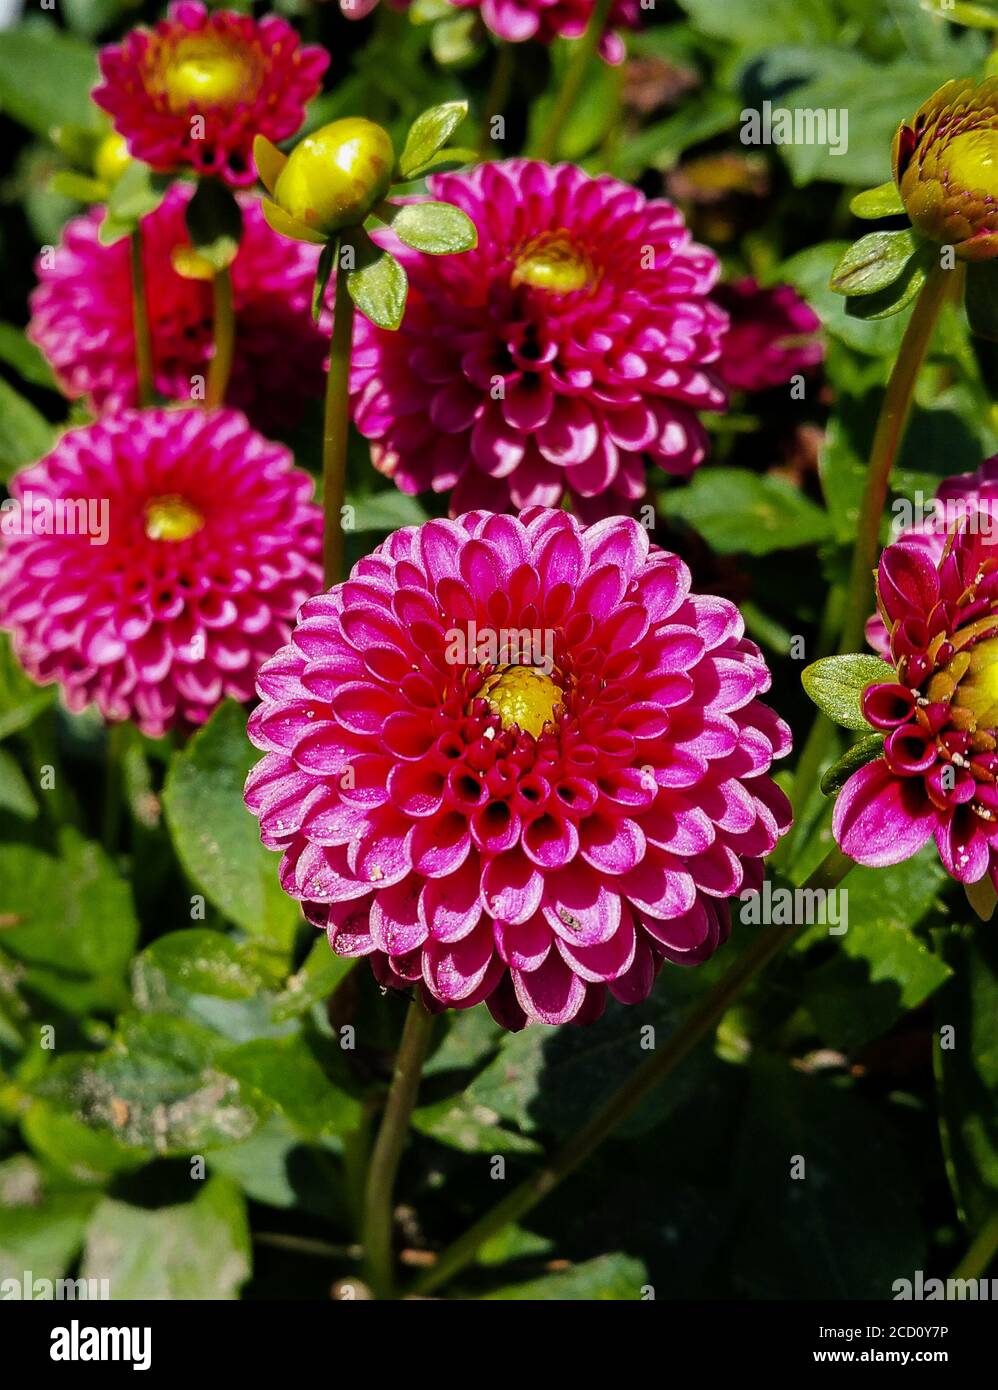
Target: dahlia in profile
153, 560
513, 759
546, 20
81, 316
938, 708
770, 337
576, 339
195, 89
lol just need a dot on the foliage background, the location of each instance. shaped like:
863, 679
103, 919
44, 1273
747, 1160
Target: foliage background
218, 1037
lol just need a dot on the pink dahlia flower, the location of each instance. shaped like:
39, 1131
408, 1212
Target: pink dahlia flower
546, 20
938, 709
82, 316
513, 759
154, 559
770, 338
572, 342
956, 501
195, 89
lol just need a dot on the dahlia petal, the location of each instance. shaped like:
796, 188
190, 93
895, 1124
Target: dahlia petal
879, 819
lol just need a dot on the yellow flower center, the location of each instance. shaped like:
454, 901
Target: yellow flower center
553, 262
203, 71
977, 691
523, 696
971, 161
171, 519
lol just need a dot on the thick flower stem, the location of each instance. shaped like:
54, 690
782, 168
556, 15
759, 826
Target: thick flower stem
498, 95
379, 1193
701, 1019
140, 320
983, 1250
582, 51
225, 340
890, 428
335, 434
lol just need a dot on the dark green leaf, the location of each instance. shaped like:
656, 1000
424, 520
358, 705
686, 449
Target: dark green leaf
873, 262
25, 435
982, 299
214, 223
741, 513
46, 77
860, 753
379, 290
607, 1278
21, 700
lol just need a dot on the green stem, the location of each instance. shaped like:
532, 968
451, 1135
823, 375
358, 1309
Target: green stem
225, 339
702, 1018
140, 319
982, 1251
498, 95
582, 51
379, 1194
335, 432
114, 773
890, 428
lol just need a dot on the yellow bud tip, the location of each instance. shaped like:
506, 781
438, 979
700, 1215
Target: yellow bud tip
171, 519
553, 263
522, 696
336, 175
971, 161
203, 71
977, 691
112, 159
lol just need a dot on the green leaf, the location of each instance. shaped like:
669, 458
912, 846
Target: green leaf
836, 685
137, 193
284, 1072
40, 1231
883, 304
216, 838
429, 133
384, 511
25, 435
742, 513
982, 299
605, 1279
193, 1250
21, 701
16, 796
68, 183
46, 77
379, 290
860, 753
967, 1071
157, 1087
809, 272
438, 228
882, 201
873, 262
25, 358
214, 223
201, 962
848, 1225
84, 1155
320, 973
462, 1124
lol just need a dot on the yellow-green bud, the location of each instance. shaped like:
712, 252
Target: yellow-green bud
111, 159
331, 179
946, 167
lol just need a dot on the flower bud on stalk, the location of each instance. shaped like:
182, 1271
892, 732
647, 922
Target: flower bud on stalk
945, 162
332, 179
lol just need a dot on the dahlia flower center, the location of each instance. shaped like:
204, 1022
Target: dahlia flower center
524, 696
553, 262
977, 691
171, 519
970, 161
203, 71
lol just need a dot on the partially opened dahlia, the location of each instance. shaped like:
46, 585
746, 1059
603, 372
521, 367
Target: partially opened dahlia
81, 316
515, 760
195, 89
938, 708
546, 20
771, 337
574, 341
186, 544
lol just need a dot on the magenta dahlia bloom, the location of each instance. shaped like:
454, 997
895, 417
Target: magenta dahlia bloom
571, 343
81, 316
513, 759
195, 89
154, 559
938, 709
956, 501
546, 20
770, 338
